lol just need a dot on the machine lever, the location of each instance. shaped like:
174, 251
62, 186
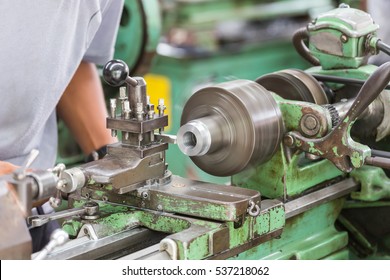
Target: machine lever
116, 73
89, 209
338, 146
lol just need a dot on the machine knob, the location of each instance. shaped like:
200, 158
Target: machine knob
116, 73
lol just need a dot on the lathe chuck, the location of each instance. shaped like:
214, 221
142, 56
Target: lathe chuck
230, 127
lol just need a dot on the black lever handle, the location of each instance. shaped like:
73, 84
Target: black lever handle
116, 73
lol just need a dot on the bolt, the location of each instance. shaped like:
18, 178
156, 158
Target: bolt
289, 140
91, 208
122, 98
112, 107
126, 109
344, 38
139, 111
126, 115
122, 93
113, 114
309, 125
310, 122
161, 107
151, 111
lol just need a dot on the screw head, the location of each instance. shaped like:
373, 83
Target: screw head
344, 38
288, 140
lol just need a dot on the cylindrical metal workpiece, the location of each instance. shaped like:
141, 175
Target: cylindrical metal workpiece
45, 184
74, 179
230, 127
201, 136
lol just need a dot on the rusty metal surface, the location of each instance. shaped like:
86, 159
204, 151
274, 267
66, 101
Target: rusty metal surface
338, 146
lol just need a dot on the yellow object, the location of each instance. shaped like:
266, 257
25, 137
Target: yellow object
160, 87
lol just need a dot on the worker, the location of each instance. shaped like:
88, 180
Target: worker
48, 54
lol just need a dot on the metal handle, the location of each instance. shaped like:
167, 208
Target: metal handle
369, 91
116, 73
338, 146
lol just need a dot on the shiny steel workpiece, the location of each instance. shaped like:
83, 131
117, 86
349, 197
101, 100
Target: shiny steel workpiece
229, 127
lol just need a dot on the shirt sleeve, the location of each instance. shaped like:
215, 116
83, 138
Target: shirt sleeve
102, 45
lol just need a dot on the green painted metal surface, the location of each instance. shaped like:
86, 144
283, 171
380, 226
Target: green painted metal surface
375, 185
310, 235
282, 177
338, 38
139, 31
194, 237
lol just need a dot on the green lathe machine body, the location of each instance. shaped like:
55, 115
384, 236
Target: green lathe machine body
304, 150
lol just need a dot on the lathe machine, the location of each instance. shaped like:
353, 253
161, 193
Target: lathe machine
306, 151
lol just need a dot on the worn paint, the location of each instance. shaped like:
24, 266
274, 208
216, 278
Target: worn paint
118, 222
196, 208
239, 235
375, 185
91, 181
162, 223
99, 193
334, 149
310, 235
267, 178
198, 248
356, 159
262, 224
72, 227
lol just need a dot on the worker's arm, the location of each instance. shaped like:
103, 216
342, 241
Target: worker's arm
6, 167
83, 109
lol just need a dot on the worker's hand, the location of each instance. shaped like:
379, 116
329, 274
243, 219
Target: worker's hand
7, 168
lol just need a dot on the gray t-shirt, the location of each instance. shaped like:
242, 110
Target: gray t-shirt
42, 43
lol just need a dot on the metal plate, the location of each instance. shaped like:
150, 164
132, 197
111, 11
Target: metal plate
206, 200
